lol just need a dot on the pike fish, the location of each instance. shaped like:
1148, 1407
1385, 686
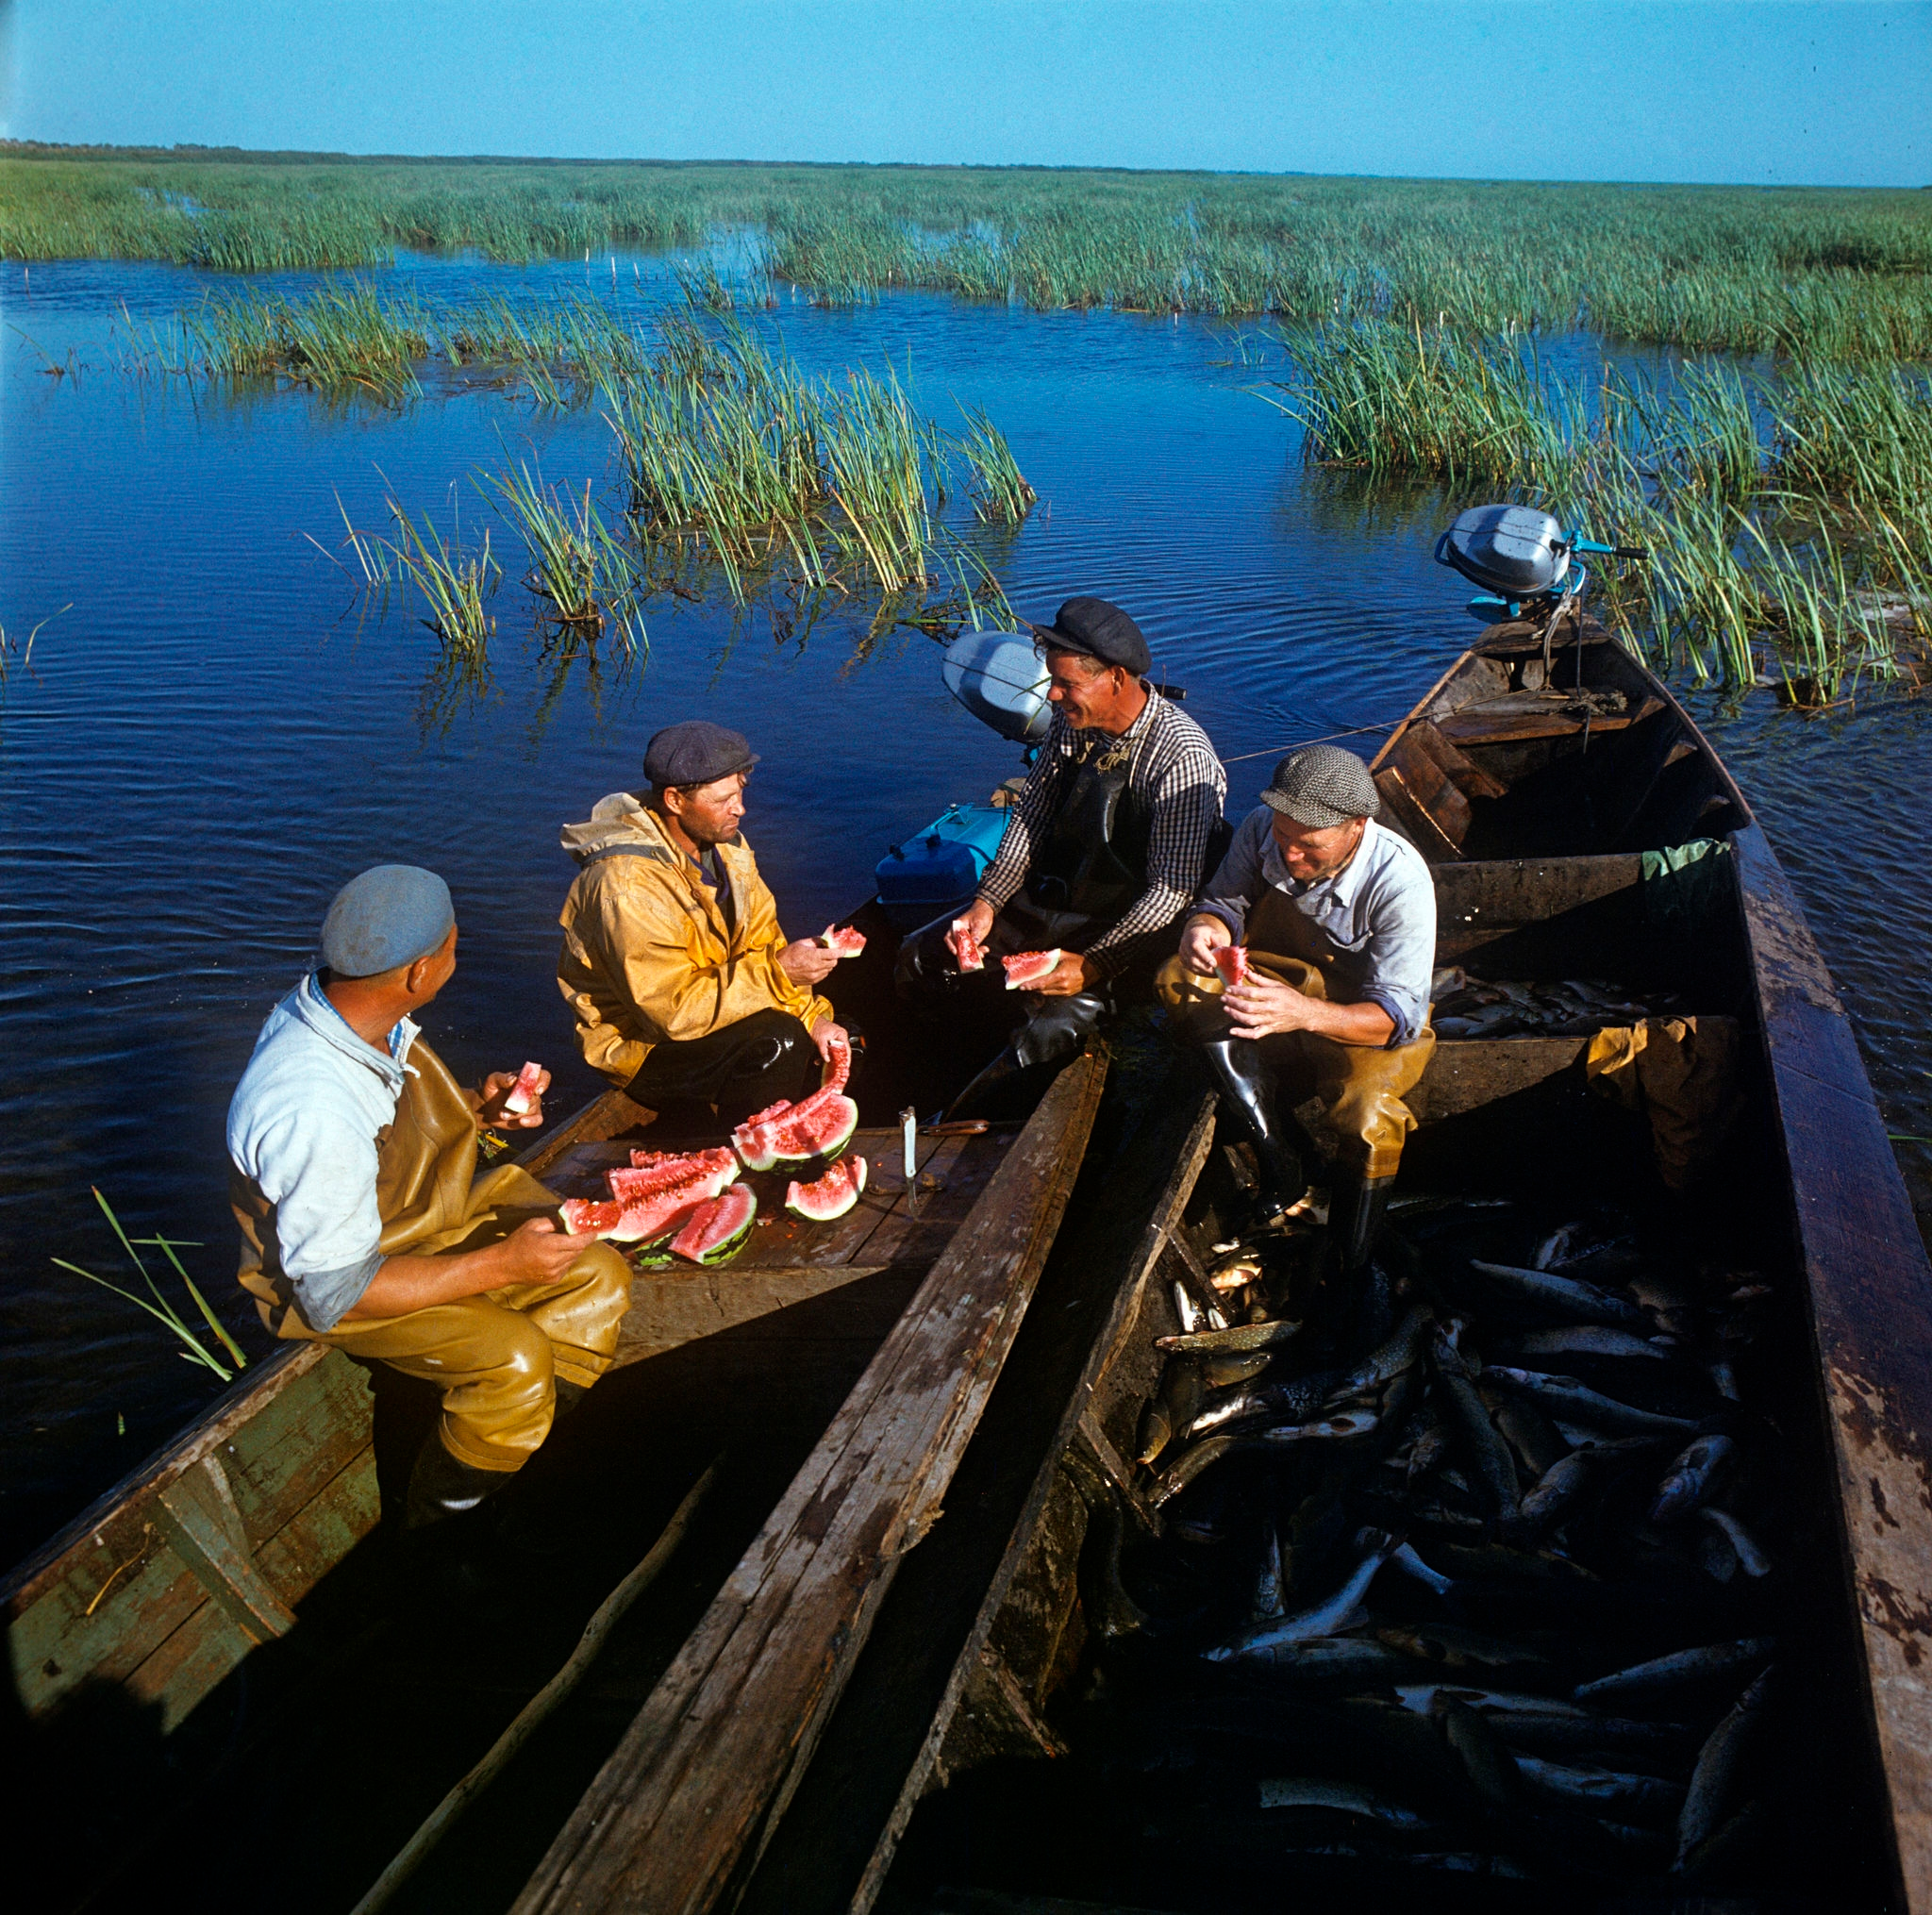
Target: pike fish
1569, 1295
1570, 1401
1694, 1477
1342, 1611
1600, 1791
1675, 1671
1717, 1761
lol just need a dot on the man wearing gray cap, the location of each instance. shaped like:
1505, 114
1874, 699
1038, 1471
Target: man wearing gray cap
1103, 848
684, 989
364, 1225
1338, 916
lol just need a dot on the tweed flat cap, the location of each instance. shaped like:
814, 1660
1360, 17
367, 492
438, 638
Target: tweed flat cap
1322, 785
696, 752
1095, 629
392, 914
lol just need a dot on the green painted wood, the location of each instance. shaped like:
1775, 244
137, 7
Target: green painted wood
197, 1514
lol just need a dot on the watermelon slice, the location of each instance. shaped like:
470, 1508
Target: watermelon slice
832, 1195
843, 940
821, 1125
838, 1065
968, 952
717, 1230
649, 1201
1025, 969
522, 1093
1231, 960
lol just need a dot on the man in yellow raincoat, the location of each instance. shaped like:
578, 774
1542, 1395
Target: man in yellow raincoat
683, 986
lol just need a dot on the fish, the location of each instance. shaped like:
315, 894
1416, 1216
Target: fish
1489, 1766
1711, 1780
1751, 1560
1430, 1446
1584, 1340
1187, 1311
1571, 1401
1570, 1295
1600, 1788
1526, 1429
1267, 1601
1170, 1411
1676, 1670
1354, 1423
1403, 1556
1495, 1468
1427, 1698
1449, 1647
1556, 1490
1235, 1273
1694, 1477
1110, 1611
1340, 1611
1230, 1367
1298, 1792
1225, 1407
1239, 1338
1398, 1353
1334, 1662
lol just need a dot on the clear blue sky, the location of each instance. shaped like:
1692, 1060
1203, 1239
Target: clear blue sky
1812, 92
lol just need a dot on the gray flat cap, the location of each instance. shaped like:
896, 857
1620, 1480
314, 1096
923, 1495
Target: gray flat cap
696, 752
1322, 785
392, 914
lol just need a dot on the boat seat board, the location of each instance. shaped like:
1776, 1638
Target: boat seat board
681, 1802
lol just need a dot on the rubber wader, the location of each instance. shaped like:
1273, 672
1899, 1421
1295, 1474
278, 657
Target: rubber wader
1090, 870
1359, 1087
746, 1067
496, 1357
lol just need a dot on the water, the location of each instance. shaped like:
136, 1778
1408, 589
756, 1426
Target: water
216, 734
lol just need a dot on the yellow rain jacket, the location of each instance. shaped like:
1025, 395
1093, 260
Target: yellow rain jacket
646, 956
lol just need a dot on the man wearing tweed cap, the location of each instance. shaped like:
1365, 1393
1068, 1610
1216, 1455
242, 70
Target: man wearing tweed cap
1338, 916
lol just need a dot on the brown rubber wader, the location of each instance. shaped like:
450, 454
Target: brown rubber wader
494, 1356
1359, 1087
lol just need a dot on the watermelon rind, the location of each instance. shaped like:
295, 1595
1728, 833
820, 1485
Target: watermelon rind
818, 1205
1045, 965
818, 1129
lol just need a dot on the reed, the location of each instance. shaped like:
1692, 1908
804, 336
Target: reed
157, 1304
1001, 494
454, 587
577, 566
1816, 275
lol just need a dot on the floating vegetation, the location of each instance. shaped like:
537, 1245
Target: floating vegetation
1808, 273
1000, 491
1816, 540
157, 1305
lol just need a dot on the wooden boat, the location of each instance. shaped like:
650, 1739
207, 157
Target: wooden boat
815, 1720
880, 1633
230, 1598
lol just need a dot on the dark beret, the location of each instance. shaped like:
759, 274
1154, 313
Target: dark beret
696, 752
1096, 630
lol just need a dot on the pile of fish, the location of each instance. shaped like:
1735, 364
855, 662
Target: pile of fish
1473, 1563
1466, 1006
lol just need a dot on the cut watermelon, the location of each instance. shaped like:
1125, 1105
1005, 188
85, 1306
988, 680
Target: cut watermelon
522, 1093
838, 1065
832, 1195
1026, 969
843, 940
587, 1217
652, 1173
1231, 960
968, 952
821, 1125
718, 1230
649, 1201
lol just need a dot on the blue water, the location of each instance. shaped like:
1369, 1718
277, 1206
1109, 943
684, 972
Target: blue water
220, 731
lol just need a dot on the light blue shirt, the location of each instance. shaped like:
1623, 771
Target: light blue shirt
302, 1129
1378, 912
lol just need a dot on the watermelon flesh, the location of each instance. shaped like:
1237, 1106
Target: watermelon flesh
843, 940
1231, 960
1026, 969
968, 952
818, 1125
717, 1230
650, 1200
522, 1093
832, 1195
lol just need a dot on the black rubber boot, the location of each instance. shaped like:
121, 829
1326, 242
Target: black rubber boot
442, 1486
1247, 1084
1356, 1208
569, 1396
1054, 1033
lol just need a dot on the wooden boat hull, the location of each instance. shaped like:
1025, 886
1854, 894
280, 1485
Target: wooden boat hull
1547, 819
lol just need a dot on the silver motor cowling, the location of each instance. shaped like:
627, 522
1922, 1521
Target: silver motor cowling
1514, 551
1002, 680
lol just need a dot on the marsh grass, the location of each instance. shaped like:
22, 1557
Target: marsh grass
1814, 275
157, 1306
1787, 544
452, 587
577, 567
1000, 492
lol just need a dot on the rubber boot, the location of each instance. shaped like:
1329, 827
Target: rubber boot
1247, 1084
1052, 1034
447, 1545
983, 1088
442, 1486
1356, 1208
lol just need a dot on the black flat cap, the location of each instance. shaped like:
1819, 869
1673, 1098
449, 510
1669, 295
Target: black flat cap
1096, 630
696, 752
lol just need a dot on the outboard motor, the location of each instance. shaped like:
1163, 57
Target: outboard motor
1000, 679
1519, 554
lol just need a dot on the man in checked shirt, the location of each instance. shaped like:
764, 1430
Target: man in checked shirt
1117, 827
